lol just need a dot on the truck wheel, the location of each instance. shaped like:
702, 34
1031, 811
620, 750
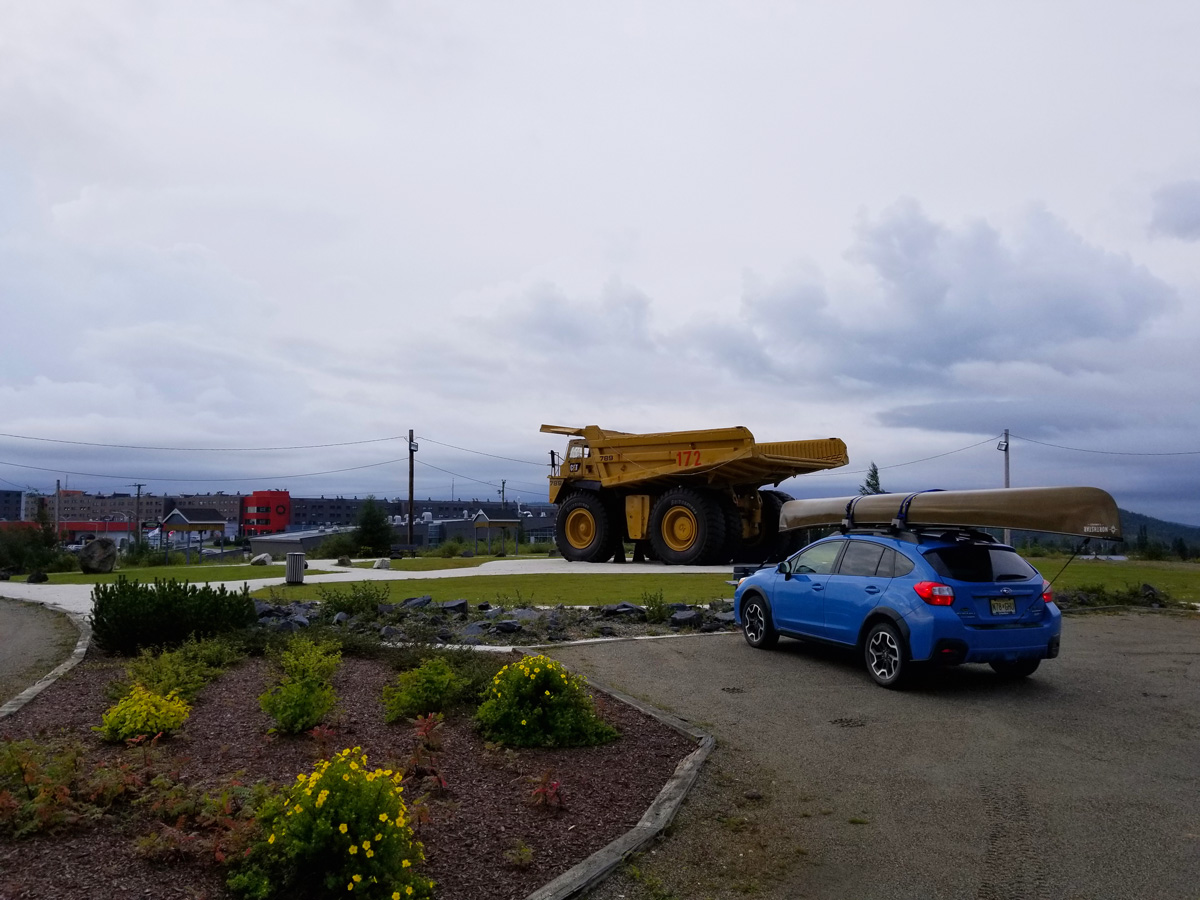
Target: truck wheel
770, 545
687, 528
583, 528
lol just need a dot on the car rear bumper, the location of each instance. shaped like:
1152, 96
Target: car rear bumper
950, 641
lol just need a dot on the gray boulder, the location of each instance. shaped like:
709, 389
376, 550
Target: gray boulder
382, 563
98, 557
37, 578
344, 561
263, 559
686, 618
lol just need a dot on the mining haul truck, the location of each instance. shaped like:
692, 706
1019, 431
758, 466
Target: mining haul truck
683, 497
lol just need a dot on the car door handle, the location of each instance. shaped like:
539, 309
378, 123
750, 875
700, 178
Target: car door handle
871, 589
818, 587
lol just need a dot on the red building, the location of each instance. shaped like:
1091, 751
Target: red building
266, 512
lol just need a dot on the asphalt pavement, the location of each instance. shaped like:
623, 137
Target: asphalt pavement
1082, 781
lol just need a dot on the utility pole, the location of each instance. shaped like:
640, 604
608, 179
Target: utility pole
501, 492
1003, 447
57, 501
412, 449
137, 515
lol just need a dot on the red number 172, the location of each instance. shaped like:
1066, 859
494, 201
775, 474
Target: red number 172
687, 458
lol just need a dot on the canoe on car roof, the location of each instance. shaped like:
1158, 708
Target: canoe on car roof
1082, 511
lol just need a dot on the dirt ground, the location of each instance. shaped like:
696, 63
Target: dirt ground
33, 640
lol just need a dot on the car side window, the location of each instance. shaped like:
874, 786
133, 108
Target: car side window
816, 560
861, 558
894, 565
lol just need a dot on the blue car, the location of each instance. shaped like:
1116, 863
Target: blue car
945, 596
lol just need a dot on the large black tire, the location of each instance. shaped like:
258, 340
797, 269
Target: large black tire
733, 530
687, 528
584, 529
886, 655
1021, 668
757, 627
771, 546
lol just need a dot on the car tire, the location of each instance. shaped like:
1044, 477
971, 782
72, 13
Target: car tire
886, 655
1021, 668
757, 627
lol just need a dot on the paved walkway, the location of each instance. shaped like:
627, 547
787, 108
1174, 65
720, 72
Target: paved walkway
77, 598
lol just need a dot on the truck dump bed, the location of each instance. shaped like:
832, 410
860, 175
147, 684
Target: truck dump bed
713, 455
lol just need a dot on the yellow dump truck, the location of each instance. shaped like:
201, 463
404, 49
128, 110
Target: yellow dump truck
684, 497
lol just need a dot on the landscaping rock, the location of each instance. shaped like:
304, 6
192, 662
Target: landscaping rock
720, 606
262, 559
484, 606
507, 626
416, 602
726, 618
623, 610
383, 563
264, 609
344, 561
606, 631
340, 618
302, 621
386, 609
391, 633
524, 614
453, 607
98, 557
474, 629
686, 618
37, 578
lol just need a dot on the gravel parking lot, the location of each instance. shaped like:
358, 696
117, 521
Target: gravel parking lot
1080, 782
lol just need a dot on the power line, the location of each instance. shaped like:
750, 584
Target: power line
25, 437
481, 453
1106, 452
207, 480
911, 462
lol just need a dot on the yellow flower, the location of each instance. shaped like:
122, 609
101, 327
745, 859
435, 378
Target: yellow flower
395, 895
350, 886
408, 890
271, 839
547, 693
358, 878
383, 817
366, 845
370, 853
379, 837
522, 721
342, 828
353, 849
405, 864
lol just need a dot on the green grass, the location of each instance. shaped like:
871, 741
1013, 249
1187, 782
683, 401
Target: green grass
544, 590
1180, 580
197, 574
429, 563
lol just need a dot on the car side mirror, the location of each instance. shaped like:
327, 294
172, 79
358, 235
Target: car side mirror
783, 570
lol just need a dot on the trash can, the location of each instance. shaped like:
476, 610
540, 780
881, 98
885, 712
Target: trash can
295, 568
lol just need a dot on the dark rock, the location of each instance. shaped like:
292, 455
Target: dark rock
623, 610
391, 632
264, 609
98, 557
283, 625
526, 615
726, 618
471, 641
445, 636
386, 609
484, 606
454, 607
344, 561
493, 612
710, 627
302, 621
507, 626
606, 631
474, 629
678, 606
686, 618
37, 578
720, 606
1149, 591
468, 554
415, 602
341, 617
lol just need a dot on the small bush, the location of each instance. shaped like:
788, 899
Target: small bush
184, 671
143, 713
304, 693
128, 616
537, 703
362, 598
343, 827
657, 610
432, 687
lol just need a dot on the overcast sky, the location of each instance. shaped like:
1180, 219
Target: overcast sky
909, 225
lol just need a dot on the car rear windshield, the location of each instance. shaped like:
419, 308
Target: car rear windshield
977, 562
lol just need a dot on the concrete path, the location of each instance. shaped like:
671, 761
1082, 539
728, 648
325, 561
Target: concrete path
77, 598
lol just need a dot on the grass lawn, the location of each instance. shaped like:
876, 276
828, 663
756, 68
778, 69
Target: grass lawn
1180, 580
429, 563
197, 574
542, 590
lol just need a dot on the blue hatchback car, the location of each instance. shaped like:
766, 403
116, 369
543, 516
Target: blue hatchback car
945, 596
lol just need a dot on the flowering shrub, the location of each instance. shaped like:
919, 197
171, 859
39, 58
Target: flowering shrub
303, 695
431, 687
143, 713
537, 703
344, 827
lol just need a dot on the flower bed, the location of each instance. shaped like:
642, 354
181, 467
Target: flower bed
485, 835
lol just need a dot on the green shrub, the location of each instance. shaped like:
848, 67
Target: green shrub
431, 687
128, 615
304, 693
342, 544
361, 598
657, 610
536, 702
184, 671
344, 828
143, 713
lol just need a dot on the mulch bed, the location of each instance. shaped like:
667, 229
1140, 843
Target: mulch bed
482, 816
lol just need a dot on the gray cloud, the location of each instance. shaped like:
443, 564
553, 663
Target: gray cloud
1177, 211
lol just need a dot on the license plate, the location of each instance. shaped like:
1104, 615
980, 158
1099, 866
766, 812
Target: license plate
1003, 606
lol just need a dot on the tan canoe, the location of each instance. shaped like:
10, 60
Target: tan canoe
1082, 511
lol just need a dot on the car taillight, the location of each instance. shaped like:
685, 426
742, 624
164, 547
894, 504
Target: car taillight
1047, 594
934, 594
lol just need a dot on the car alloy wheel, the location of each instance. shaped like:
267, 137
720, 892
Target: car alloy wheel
885, 655
756, 624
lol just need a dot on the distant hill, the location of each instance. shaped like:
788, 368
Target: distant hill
1158, 532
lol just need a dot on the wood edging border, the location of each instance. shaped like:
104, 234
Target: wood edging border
592, 871
81, 647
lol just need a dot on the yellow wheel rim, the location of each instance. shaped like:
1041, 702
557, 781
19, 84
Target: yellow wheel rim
580, 528
679, 529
